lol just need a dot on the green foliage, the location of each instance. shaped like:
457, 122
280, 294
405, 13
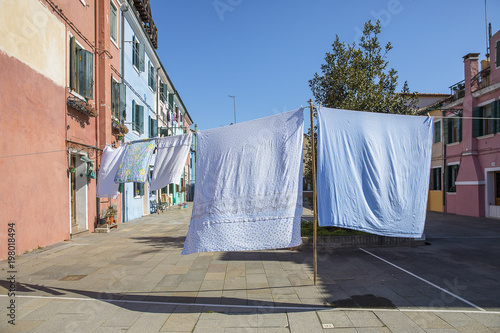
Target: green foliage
356, 77
306, 229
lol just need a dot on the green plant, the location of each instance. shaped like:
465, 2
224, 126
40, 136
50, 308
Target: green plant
306, 229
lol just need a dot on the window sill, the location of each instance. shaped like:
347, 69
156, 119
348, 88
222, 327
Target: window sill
485, 136
453, 193
452, 144
114, 42
77, 95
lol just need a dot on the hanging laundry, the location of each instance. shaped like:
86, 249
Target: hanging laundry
248, 193
135, 164
373, 171
110, 160
171, 158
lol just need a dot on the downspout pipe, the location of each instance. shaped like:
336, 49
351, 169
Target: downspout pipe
123, 9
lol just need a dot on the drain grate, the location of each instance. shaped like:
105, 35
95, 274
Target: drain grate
72, 278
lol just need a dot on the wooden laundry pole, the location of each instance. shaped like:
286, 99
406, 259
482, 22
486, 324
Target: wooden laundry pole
315, 212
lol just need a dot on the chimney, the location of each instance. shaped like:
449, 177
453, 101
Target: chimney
471, 68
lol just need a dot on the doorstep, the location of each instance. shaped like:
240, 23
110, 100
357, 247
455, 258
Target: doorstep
79, 233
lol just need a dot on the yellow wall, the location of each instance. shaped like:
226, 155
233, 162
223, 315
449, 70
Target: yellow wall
32, 34
435, 201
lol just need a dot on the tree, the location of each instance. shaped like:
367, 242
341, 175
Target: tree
355, 77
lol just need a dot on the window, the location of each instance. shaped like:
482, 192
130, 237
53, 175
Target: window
437, 131
451, 177
118, 100
137, 117
435, 184
81, 69
486, 125
153, 127
113, 22
138, 53
138, 189
452, 129
152, 76
498, 53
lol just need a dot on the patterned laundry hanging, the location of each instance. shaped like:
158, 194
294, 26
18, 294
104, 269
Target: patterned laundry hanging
170, 160
373, 171
135, 163
248, 193
110, 161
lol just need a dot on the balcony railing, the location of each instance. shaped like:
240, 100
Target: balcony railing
481, 80
457, 90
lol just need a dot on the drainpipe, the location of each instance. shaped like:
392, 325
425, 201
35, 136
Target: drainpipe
443, 173
98, 106
123, 9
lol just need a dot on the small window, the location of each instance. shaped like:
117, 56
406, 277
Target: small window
452, 129
485, 120
437, 132
81, 69
451, 177
113, 22
435, 184
138, 189
153, 127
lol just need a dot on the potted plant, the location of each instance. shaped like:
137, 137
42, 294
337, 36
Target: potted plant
103, 217
111, 213
71, 169
123, 129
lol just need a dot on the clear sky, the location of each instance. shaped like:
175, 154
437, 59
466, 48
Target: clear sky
265, 52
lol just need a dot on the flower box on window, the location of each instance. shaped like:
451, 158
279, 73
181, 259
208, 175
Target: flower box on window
81, 106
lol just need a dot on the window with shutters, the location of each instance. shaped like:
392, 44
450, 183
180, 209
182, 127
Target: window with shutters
435, 183
437, 131
138, 189
113, 22
452, 129
137, 117
486, 119
81, 69
138, 54
118, 99
153, 127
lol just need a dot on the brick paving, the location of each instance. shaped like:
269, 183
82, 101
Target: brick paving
134, 279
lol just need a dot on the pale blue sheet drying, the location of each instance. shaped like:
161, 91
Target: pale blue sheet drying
373, 171
248, 193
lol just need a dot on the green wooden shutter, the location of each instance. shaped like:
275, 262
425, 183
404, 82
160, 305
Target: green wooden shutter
123, 100
141, 57
154, 79
141, 188
140, 118
155, 127
73, 64
81, 72
477, 124
162, 94
150, 75
171, 100
134, 126
89, 75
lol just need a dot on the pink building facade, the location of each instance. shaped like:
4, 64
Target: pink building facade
470, 131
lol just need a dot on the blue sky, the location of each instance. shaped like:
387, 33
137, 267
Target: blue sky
265, 52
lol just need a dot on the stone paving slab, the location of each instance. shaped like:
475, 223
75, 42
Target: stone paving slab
135, 279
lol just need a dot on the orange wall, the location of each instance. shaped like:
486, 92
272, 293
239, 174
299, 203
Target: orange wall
34, 188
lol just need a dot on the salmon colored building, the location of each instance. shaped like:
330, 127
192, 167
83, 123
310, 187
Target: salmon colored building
57, 69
